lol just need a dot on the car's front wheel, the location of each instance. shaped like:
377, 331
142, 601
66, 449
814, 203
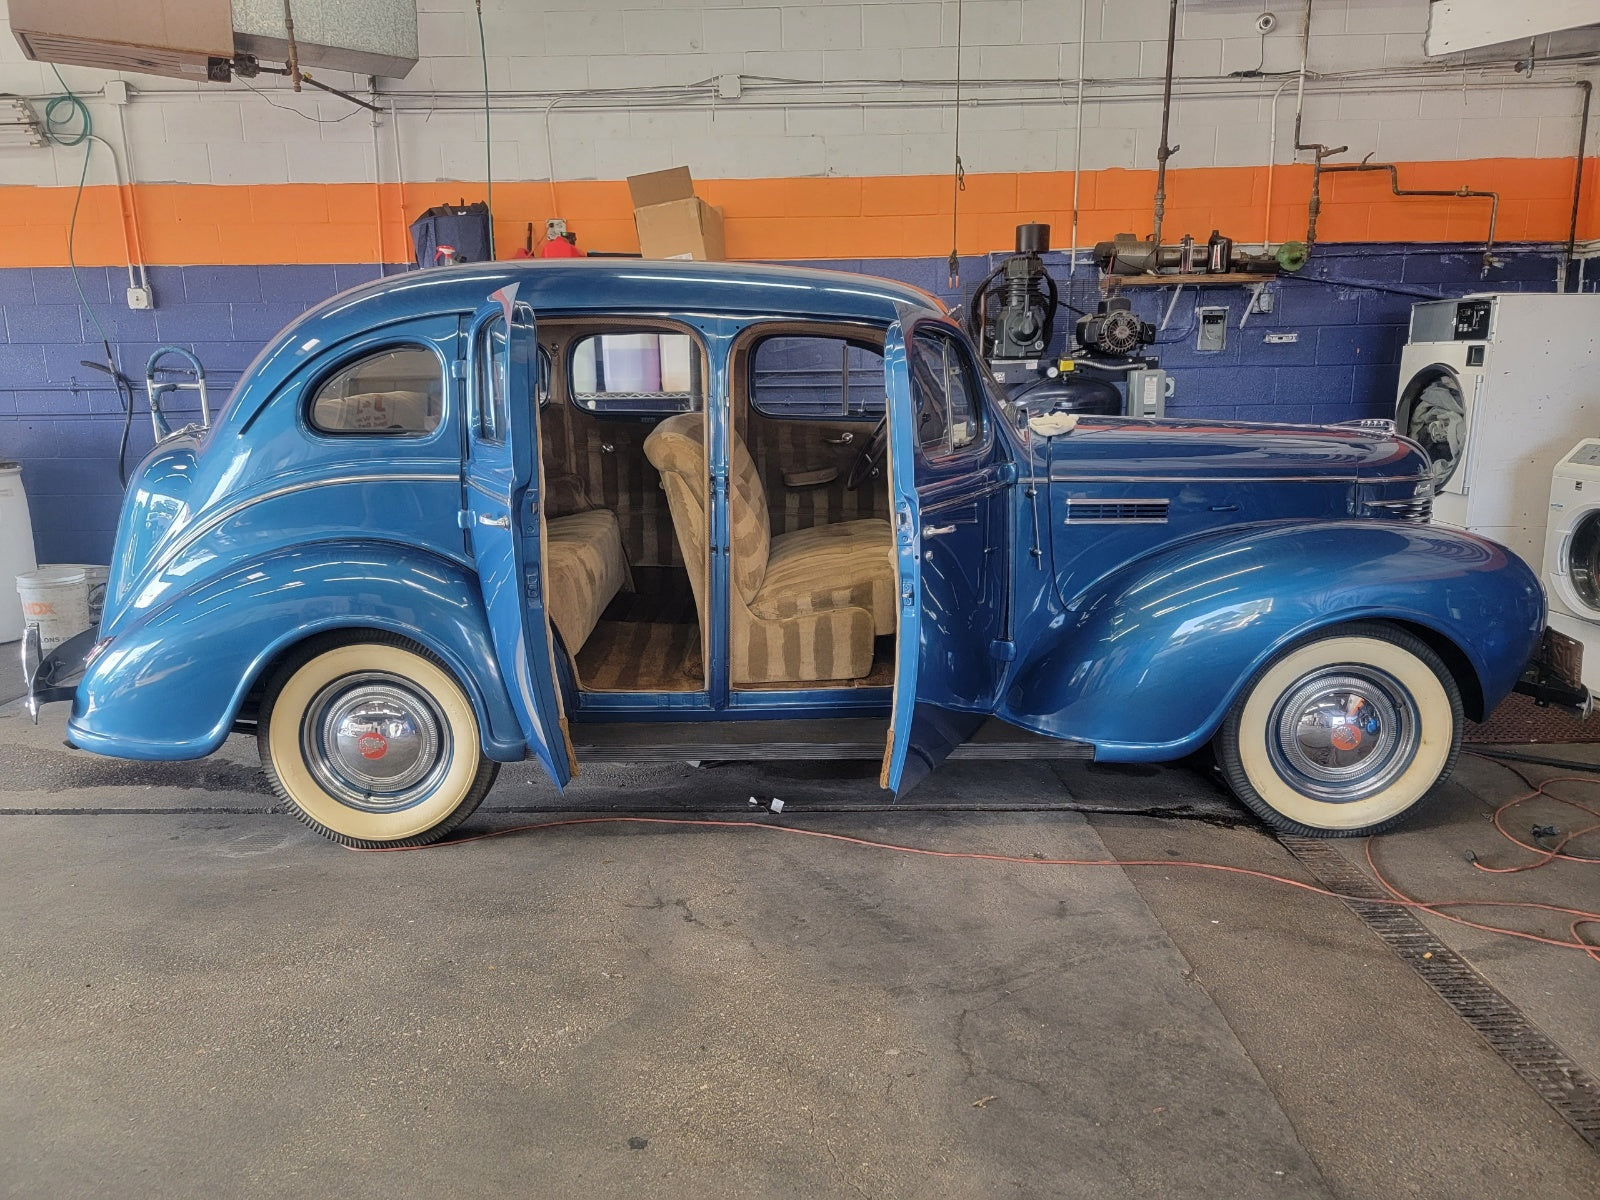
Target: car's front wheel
372, 742
1343, 734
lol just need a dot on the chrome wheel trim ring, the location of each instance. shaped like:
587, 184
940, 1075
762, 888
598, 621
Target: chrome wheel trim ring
374, 742
1343, 733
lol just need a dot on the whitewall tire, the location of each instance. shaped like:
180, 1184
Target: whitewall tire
1343, 734
372, 742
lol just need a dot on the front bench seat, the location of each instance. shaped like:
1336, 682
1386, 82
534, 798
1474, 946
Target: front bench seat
806, 605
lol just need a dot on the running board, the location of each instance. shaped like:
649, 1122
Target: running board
812, 740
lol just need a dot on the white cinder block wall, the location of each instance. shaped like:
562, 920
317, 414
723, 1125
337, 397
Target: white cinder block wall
607, 88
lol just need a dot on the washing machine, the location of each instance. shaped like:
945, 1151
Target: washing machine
1496, 388
1572, 554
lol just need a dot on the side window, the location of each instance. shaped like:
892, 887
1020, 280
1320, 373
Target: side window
489, 417
945, 391
651, 373
816, 378
397, 391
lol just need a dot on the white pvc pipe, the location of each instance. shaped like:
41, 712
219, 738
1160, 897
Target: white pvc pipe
1272, 159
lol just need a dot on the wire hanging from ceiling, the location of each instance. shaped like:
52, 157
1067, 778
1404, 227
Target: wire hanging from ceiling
958, 177
488, 141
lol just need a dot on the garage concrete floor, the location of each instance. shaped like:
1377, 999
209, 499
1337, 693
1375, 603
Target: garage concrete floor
201, 998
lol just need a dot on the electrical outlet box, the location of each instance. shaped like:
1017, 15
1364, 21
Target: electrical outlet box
1262, 301
116, 91
1213, 331
139, 299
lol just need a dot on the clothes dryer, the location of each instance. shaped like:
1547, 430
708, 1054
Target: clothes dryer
1496, 388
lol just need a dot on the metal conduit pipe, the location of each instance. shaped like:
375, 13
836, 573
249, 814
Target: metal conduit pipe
1462, 193
1164, 151
1077, 140
1577, 189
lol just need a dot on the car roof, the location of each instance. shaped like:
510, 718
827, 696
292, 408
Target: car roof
623, 284
572, 287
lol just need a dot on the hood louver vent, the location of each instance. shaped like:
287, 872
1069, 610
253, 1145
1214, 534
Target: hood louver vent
1081, 512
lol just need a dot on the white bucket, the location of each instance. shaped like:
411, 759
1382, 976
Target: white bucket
16, 544
96, 576
56, 599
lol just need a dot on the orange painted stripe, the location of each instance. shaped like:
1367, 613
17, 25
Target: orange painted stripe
889, 217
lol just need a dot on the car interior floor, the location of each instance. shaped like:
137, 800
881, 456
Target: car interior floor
646, 640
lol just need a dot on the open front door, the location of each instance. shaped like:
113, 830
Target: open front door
948, 472
505, 520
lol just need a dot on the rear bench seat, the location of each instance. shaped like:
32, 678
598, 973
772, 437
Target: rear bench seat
584, 570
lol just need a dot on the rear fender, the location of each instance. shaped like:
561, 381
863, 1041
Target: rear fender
170, 685
1147, 661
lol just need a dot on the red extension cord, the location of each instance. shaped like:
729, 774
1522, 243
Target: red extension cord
1397, 898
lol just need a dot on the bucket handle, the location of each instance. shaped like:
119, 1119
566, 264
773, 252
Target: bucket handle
159, 388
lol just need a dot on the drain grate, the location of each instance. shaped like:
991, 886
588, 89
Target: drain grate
1527, 1049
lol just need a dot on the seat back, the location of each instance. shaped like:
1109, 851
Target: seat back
677, 449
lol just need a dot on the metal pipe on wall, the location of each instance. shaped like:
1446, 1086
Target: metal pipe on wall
1319, 151
1077, 139
1164, 151
1577, 188
1462, 193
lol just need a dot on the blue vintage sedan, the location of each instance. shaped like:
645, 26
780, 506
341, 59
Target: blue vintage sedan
617, 509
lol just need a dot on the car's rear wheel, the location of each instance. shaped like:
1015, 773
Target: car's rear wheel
372, 742
1344, 734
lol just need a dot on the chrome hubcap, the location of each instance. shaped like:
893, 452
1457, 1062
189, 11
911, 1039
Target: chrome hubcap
374, 742
1344, 733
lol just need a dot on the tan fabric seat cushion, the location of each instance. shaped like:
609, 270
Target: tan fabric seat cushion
850, 563
799, 614
584, 570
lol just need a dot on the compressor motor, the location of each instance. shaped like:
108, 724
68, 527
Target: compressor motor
1113, 330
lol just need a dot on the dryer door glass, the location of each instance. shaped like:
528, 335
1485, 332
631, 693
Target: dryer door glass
1433, 413
1583, 560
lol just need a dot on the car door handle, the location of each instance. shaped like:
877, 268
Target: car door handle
937, 530
844, 439
494, 522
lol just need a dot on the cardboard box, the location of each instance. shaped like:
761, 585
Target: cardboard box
673, 222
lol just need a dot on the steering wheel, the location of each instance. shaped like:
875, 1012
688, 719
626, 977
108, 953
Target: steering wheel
871, 457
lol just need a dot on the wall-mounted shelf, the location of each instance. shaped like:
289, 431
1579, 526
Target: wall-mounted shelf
1112, 282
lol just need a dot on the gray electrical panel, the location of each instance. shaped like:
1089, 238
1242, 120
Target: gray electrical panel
1213, 335
1147, 393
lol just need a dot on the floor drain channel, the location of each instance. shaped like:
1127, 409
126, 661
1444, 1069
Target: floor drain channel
1525, 1048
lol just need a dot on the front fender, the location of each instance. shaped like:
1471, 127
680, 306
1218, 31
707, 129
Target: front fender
1146, 662
169, 685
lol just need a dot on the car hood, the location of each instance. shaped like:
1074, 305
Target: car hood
1113, 447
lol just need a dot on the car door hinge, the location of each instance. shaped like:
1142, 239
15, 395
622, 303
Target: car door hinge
1002, 650
458, 368
1006, 473
464, 519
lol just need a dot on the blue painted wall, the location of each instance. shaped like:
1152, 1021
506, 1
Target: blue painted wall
62, 421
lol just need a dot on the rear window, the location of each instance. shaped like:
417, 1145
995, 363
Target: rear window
397, 392
816, 378
654, 373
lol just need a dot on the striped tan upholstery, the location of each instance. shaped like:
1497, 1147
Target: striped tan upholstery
804, 606
584, 570
608, 456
